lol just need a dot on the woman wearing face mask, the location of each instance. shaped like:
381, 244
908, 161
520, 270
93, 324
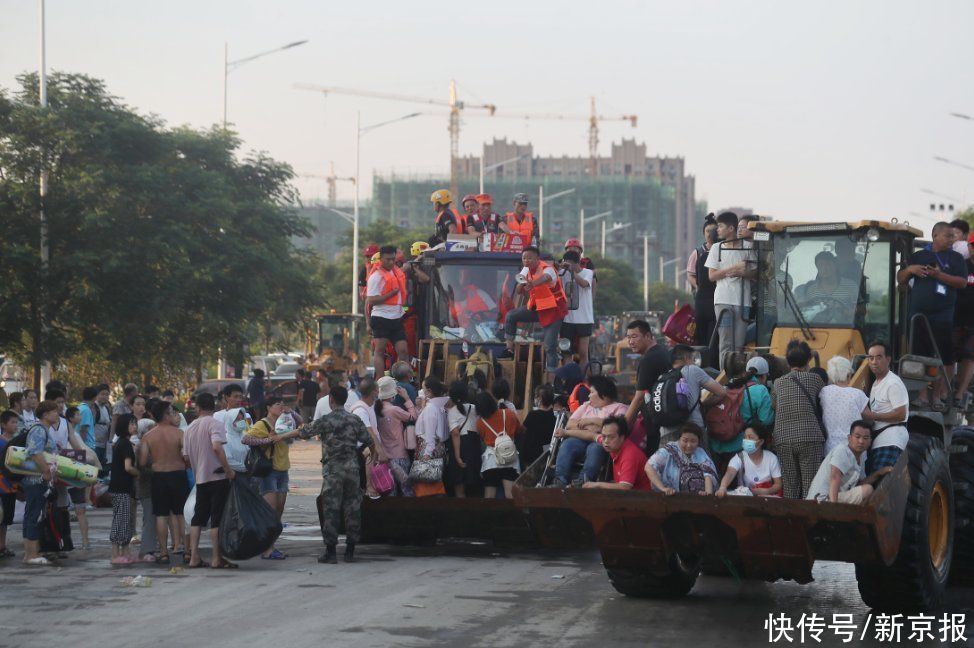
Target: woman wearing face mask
762, 472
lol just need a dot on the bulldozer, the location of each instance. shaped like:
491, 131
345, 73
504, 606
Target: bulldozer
337, 342
913, 536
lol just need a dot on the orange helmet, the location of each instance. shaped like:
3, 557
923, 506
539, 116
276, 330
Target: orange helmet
485, 199
573, 242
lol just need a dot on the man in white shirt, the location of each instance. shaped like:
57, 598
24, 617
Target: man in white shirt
889, 407
728, 266
385, 299
577, 325
840, 478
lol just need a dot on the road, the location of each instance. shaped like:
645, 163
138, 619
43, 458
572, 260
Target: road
455, 594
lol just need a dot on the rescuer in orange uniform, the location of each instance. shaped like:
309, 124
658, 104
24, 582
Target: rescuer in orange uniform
521, 221
447, 220
385, 300
546, 305
471, 214
489, 219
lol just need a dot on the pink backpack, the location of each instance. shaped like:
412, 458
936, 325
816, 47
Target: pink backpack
382, 479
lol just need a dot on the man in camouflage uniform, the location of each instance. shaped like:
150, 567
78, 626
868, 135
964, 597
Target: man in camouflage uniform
341, 434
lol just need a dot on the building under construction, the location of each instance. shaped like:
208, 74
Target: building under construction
647, 196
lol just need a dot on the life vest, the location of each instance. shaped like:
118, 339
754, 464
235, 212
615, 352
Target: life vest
525, 229
459, 219
547, 299
579, 396
390, 278
473, 304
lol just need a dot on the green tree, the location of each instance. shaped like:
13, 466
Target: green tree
165, 246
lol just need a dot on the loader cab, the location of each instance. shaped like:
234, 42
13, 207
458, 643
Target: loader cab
831, 284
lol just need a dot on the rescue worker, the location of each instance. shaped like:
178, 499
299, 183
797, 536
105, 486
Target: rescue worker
575, 245
341, 434
489, 219
471, 215
447, 221
415, 298
385, 301
474, 304
521, 222
546, 305
368, 252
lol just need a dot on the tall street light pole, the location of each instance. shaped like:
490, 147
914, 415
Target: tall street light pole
583, 221
541, 203
229, 65
42, 376
615, 228
496, 165
359, 131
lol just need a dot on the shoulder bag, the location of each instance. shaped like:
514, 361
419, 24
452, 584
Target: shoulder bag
258, 463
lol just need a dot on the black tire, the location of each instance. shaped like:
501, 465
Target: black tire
913, 583
962, 472
642, 584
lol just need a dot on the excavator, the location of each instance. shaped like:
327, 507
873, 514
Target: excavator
912, 538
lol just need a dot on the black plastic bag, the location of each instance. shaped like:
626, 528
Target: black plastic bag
249, 526
55, 529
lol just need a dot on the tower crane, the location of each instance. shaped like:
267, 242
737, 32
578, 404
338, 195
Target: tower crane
593, 120
453, 103
331, 180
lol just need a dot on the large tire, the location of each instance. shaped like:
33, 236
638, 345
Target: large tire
962, 472
642, 584
916, 581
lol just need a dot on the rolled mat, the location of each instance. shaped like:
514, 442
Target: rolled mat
69, 471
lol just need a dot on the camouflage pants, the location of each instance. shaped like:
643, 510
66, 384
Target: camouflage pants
341, 493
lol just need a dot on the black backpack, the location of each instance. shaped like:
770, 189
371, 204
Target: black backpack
668, 402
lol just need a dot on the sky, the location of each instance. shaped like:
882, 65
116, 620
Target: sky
826, 110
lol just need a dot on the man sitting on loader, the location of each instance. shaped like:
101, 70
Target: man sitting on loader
842, 476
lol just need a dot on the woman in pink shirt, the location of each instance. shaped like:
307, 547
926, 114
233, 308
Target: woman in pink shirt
391, 420
578, 438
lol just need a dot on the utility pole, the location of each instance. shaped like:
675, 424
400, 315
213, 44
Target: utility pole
42, 368
645, 272
454, 139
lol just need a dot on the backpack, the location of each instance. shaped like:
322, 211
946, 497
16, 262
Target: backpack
668, 403
505, 450
692, 476
724, 420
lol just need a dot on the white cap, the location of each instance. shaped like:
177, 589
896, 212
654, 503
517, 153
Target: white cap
387, 387
759, 365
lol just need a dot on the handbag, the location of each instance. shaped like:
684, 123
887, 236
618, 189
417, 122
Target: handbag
427, 470
409, 436
382, 479
257, 463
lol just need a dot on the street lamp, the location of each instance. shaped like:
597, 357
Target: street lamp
663, 264
359, 131
615, 228
648, 239
962, 116
541, 203
583, 221
496, 165
40, 352
232, 65
951, 162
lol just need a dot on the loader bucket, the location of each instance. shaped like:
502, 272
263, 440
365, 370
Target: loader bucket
766, 538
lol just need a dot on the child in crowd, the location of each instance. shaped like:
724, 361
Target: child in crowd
122, 489
8, 489
761, 470
842, 476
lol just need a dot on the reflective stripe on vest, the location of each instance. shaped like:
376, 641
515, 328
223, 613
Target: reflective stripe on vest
390, 279
547, 295
525, 228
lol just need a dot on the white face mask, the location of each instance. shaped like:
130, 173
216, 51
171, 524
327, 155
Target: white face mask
240, 426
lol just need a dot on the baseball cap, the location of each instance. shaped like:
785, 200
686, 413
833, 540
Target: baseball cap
759, 365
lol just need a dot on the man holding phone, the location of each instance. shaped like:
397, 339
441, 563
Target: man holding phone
935, 274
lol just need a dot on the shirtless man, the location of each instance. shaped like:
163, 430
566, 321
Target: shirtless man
162, 448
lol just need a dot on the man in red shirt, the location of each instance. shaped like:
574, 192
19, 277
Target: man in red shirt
628, 461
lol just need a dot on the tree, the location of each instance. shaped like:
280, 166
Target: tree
164, 245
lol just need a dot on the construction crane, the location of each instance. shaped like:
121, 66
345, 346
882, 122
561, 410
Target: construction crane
331, 180
453, 103
593, 120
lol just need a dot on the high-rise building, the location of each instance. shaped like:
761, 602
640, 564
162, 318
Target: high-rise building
647, 196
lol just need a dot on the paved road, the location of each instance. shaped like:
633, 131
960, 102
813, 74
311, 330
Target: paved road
458, 594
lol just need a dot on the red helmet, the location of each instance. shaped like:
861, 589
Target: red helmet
468, 197
573, 243
370, 249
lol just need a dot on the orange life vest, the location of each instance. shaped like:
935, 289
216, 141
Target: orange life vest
547, 299
458, 218
472, 305
525, 229
391, 278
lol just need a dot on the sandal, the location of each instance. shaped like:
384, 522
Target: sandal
149, 558
224, 564
39, 561
163, 559
274, 555
6, 553
187, 557
199, 565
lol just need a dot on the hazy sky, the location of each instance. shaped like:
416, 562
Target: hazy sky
812, 110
